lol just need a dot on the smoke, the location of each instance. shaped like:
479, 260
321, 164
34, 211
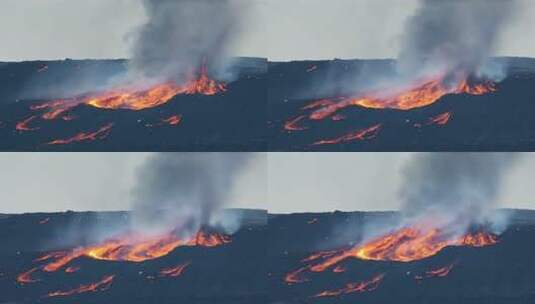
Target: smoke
184, 191
452, 36
180, 34
454, 189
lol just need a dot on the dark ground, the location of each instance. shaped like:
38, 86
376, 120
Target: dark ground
501, 121
250, 116
233, 273
501, 273
242, 272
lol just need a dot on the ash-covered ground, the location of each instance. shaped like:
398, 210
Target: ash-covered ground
234, 272
499, 273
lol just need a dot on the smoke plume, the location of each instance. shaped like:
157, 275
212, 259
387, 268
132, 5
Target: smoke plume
455, 189
180, 34
183, 191
452, 36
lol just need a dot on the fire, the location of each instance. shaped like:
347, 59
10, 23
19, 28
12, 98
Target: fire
359, 287
440, 119
134, 98
419, 94
101, 285
101, 133
293, 124
133, 248
363, 134
171, 121
26, 277
24, 125
440, 272
293, 277
72, 269
174, 271
406, 245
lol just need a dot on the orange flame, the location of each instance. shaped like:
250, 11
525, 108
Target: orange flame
363, 134
133, 98
174, 271
292, 125
407, 244
24, 125
26, 277
419, 94
101, 133
101, 285
440, 272
137, 249
364, 286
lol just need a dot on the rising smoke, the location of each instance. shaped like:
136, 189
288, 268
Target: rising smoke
454, 189
452, 36
184, 191
180, 34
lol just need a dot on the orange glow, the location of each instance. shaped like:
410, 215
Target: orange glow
360, 287
407, 244
419, 94
440, 272
101, 285
83, 136
174, 271
72, 269
294, 278
134, 248
134, 98
24, 125
26, 277
440, 119
292, 125
363, 134
173, 120
339, 269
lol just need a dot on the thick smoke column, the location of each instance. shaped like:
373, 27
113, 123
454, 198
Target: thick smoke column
452, 36
183, 191
180, 34
454, 189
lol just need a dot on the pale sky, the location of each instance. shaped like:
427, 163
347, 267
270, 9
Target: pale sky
277, 29
280, 182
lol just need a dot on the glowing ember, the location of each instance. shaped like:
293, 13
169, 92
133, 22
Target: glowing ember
134, 98
101, 285
293, 277
137, 249
360, 287
72, 269
440, 272
440, 119
24, 125
419, 94
101, 133
292, 125
26, 277
363, 134
174, 271
171, 121
339, 269
407, 244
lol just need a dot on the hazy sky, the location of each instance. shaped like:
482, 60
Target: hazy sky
278, 29
280, 182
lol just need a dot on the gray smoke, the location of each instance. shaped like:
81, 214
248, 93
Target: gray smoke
452, 35
455, 189
180, 34
183, 191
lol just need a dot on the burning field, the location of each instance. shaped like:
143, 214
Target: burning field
208, 267
431, 113
198, 114
332, 265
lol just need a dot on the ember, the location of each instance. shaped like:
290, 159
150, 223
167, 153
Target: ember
101, 285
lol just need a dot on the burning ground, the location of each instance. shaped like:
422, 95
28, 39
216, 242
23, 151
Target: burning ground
210, 267
329, 264
427, 114
43, 109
